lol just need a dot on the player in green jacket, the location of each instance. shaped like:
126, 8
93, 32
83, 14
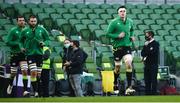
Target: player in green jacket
120, 30
17, 57
33, 39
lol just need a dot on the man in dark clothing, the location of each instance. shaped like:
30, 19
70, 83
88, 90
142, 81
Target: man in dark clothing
74, 67
66, 57
150, 53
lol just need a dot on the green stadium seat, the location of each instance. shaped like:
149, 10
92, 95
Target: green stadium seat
155, 16
89, 50
69, 5
104, 39
81, 6
174, 43
137, 21
153, 6
136, 11
18, 5
93, 27
3, 32
149, 21
68, 16
93, 6
4, 21
172, 21
104, 27
176, 6
86, 21
87, 10
177, 16
8, 10
132, 16
83, 31
35, 11
116, 6
55, 16
31, 5
163, 43
111, 11
155, 27
81, 16
177, 26
26, 12
105, 16
105, 6
158, 38
174, 32
46, 21
93, 16
49, 10
141, 38
159, 11
141, 6
43, 5
147, 11
99, 21
74, 21
162, 32
143, 27
74, 10
178, 38
74, 37
167, 16
168, 38
56, 5
84, 43
98, 33
170, 49
64, 26
130, 6
8, 27
138, 32
107, 63
62, 10
142, 16
171, 11
176, 55
99, 11
160, 21
168, 27
166, 6
3, 6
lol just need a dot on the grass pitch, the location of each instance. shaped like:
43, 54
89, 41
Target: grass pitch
175, 98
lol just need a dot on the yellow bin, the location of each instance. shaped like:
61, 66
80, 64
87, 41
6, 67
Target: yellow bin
107, 81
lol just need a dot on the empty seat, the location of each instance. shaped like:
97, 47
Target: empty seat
155, 27
147, 11
105, 6
43, 5
159, 11
105, 16
171, 11
99, 11
99, 21
49, 10
155, 16
166, 6
141, 6
35, 11
93, 6
87, 10
56, 5
168, 27
174, 32
62, 10
136, 11
69, 5
74, 10
172, 21
31, 5
161, 21
167, 16
55, 16
153, 6
149, 21
81, 6
68, 16
81, 16
142, 16
111, 11
93, 16
86, 21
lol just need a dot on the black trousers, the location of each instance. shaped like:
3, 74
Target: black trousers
150, 77
45, 82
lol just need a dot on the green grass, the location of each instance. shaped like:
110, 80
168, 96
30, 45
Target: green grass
97, 99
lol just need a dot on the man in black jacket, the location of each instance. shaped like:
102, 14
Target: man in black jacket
75, 67
150, 54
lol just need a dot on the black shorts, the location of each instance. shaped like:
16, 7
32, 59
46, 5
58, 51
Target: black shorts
120, 52
16, 58
35, 59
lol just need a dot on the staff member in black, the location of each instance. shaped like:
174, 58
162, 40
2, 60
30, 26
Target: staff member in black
150, 54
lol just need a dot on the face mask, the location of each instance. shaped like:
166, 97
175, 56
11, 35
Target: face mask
147, 38
67, 45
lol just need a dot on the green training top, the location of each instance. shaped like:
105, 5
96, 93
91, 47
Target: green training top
31, 39
13, 39
117, 26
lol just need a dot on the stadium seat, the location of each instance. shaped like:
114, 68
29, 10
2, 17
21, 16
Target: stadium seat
31, 5
147, 11
104, 39
18, 5
8, 27
106, 63
80, 16
35, 11
69, 5
162, 32
3, 6
160, 21
174, 43
99, 11
116, 6
155, 16
56, 5
81, 6
98, 33
3, 32
43, 5
87, 10
74, 21
49, 10
93, 27
74, 11
178, 38
105, 16
104, 27
55, 16
136, 11
4, 21
105, 6
137, 21
84, 43
155, 27
167, 16
153, 6
83, 31
26, 12
168, 27
132, 16
171, 11
141, 6
93, 6
149, 21
159, 11
68, 16
143, 27
177, 16
142, 16
89, 50
158, 38
130, 6
111, 11
172, 21
168, 38
166, 6
64, 26
176, 6
62, 10
45, 20
177, 26
174, 32
8, 10
86, 21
